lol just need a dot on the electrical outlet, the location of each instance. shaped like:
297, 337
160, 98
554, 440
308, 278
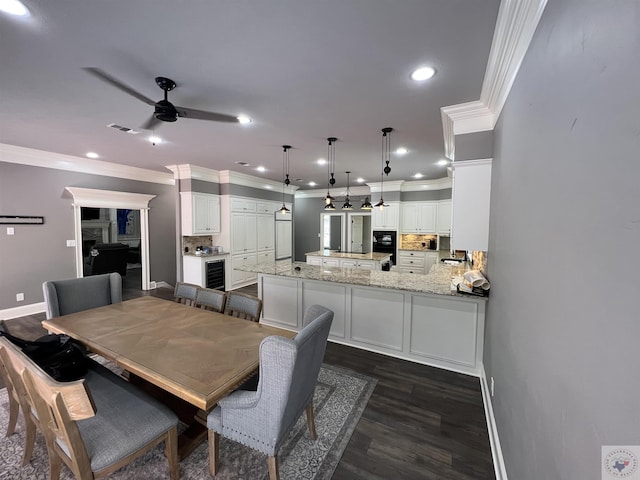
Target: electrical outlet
492, 386
19, 297
11, 231
71, 243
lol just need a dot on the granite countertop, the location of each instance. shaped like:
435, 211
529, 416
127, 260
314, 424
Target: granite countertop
192, 254
437, 281
375, 256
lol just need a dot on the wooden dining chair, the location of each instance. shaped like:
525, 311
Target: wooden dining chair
18, 400
95, 425
209, 299
185, 293
242, 305
289, 371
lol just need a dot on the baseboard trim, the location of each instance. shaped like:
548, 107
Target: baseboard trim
162, 284
496, 449
22, 311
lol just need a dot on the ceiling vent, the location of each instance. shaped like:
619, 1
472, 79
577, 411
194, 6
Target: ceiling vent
123, 129
244, 164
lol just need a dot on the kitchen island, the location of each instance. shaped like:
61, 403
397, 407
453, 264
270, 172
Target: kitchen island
331, 258
409, 316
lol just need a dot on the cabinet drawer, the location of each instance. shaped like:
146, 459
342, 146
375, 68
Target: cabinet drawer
416, 262
411, 270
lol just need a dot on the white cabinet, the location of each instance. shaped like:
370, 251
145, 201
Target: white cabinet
238, 277
200, 213
243, 205
314, 261
268, 256
331, 262
416, 262
444, 218
385, 219
418, 217
266, 232
344, 262
471, 202
243, 233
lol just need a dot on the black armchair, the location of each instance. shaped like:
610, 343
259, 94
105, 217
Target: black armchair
108, 258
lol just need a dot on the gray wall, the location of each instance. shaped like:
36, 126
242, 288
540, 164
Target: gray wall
563, 321
425, 196
472, 146
306, 226
38, 252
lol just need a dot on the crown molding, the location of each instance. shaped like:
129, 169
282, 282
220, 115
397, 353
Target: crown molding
391, 186
91, 197
187, 171
516, 23
422, 185
58, 161
471, 163
237, 178
357, 191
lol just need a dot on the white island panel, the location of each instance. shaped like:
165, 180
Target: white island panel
330, 295
282, 307
377, 317
443, 329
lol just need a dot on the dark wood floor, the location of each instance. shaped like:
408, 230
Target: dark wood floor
420, 423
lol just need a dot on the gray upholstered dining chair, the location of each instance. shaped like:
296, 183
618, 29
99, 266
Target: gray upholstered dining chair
185, 293
242, 305
209, 299
289, 371
63, 297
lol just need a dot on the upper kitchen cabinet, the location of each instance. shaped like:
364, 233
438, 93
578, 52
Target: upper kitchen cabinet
471, 201
444, 218
200, 213
385, 219
418, 217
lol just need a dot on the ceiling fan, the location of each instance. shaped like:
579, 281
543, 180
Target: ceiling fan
164, 111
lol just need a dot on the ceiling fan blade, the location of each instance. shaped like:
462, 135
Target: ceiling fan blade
151, 123
202, 115
105, 77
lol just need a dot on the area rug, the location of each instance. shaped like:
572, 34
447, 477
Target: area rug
340, 398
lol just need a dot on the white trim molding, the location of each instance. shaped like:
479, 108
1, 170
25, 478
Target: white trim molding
90, 197
187, 171
471, 163
515, 26
58, 161
237, 178
494, 440
22, 311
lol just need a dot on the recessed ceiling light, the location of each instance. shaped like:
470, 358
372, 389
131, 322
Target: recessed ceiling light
14, 7
322, 161
243, 119
261, 169
153, 139
312, 184
360, 180
401, 151
443, 162
92, 155
423, 73
418, 175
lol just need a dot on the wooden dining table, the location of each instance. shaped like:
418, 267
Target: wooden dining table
188, 354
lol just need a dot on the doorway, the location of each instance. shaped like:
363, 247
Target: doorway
111, 243
113, 212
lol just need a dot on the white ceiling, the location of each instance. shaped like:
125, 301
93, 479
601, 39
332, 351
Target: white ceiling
302, 70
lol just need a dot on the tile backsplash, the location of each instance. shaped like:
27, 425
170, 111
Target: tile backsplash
410, 241
197, 241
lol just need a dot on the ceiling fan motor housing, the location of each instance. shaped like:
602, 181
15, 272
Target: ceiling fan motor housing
165, 111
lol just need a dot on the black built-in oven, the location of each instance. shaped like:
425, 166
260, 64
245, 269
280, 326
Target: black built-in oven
384, 241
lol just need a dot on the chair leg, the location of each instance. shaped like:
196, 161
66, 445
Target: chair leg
171, 452
311, 424
274, 474
55, 464
29, 441
14, 409
214, 458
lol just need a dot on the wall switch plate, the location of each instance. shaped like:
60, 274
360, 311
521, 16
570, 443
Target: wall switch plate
71, 243
11, 231
19, 297
492, 386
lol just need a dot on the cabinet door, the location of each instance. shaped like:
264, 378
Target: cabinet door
314, 261
385, 219
444, 217
251, 232
200, 213
238, 233
331, 262
429, 261
348, 263
409, 218
367, 265
427, 217
267, 257
237, 276
266, 232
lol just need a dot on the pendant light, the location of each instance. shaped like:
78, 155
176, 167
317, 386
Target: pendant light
285, 170
331, 166
347, 203
366, 205
386, 156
